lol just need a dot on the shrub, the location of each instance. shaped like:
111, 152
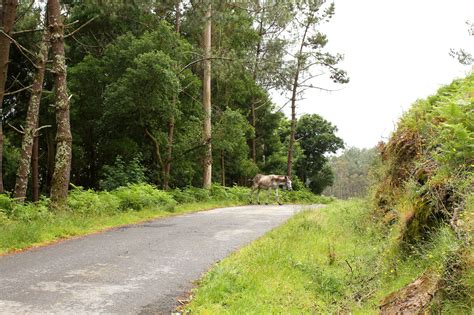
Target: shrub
6, 205
199, 194
239, 193
88, 202
122, 173
140, 196
182, 196
219, 192
31, 211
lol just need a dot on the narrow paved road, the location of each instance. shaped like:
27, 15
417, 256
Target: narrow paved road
137, 269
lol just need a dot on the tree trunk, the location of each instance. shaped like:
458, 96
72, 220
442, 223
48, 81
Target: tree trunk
169, 155
222, 169
7, 20
177, 21
293, 103
32, 118
51, 152
206, 96
158, 157
35, 168
254, 77
293, 126
62, 167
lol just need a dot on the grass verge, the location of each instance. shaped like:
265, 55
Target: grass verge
332, 260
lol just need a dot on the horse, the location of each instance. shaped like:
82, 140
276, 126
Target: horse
267, 182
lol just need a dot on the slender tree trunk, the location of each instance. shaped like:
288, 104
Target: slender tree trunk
7, 20
51, 152
294, 93
293, 125
32, 118
169, 155
35, 168
222, 169
171, 121
62, 167
177, 21
254, 76
206, 102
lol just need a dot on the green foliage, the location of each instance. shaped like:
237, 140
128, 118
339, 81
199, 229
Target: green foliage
316, 137
6, 204
31, 211
352, 173
88, 202
140, 196
424, 186
431, 158
122, 174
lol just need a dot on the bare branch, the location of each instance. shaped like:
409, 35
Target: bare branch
80, 27
202, 59
310, 86
42, 127
20, 47
16, 129
27, 31
311, 77
18, 91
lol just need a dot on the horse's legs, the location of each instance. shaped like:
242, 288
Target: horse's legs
277, 196
269, 191
252, 190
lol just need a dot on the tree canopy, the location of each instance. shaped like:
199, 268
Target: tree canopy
134, 74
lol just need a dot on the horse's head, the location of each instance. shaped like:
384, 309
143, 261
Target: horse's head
288, 183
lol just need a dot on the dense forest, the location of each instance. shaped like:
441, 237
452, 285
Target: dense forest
173, 93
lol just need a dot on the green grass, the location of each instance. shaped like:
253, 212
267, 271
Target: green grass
329, 260
23, 234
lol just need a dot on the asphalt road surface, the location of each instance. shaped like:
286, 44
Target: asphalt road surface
136, 269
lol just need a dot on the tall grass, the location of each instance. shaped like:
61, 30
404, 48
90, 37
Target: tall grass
337, 259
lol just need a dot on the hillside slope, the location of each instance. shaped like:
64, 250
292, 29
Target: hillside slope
426, 187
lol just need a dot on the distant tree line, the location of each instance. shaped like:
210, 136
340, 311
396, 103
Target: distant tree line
175, 93
350, 173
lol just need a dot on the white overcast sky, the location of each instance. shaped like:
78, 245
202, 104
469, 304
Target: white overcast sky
395, 53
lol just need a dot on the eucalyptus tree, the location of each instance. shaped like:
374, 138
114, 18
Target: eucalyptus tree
32, 119
7, 20
62, 165
308, 57
206, 96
